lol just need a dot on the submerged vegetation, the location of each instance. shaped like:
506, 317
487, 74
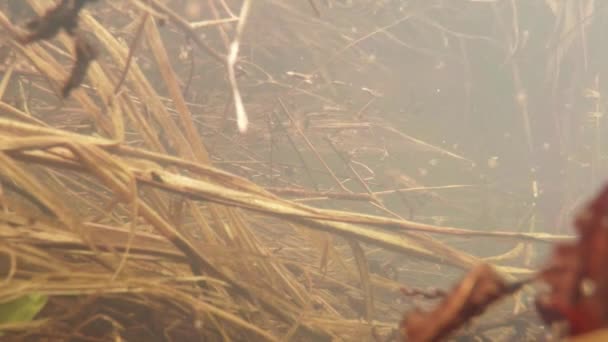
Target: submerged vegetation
186, 170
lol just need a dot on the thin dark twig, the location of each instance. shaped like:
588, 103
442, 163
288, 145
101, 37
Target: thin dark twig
348, 164
190, 75
271, 147
132, 49
298, 153
311, 146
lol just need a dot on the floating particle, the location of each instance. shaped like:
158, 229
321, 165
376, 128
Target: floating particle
438, 220
596, 115
493, 162
372, 92
184, 53
193, 10
521, 98
591, 94
307, 78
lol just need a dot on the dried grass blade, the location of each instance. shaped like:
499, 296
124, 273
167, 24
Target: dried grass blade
160, 53
366, 285
29, 184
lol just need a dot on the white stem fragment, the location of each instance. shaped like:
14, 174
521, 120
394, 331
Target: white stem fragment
241, 115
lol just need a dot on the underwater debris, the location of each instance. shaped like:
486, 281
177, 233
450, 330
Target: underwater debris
64, 15
576, 275
85, 54
481, 287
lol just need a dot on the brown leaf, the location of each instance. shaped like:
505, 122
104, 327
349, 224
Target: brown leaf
480, 288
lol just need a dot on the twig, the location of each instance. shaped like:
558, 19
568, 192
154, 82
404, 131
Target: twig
313, 182
241, 116
311, 146
132, 48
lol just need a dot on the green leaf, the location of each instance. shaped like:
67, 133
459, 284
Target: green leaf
22, 309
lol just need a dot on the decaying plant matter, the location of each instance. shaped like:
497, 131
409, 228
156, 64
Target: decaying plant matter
63, 16
480, 288
85, 54
576, 275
